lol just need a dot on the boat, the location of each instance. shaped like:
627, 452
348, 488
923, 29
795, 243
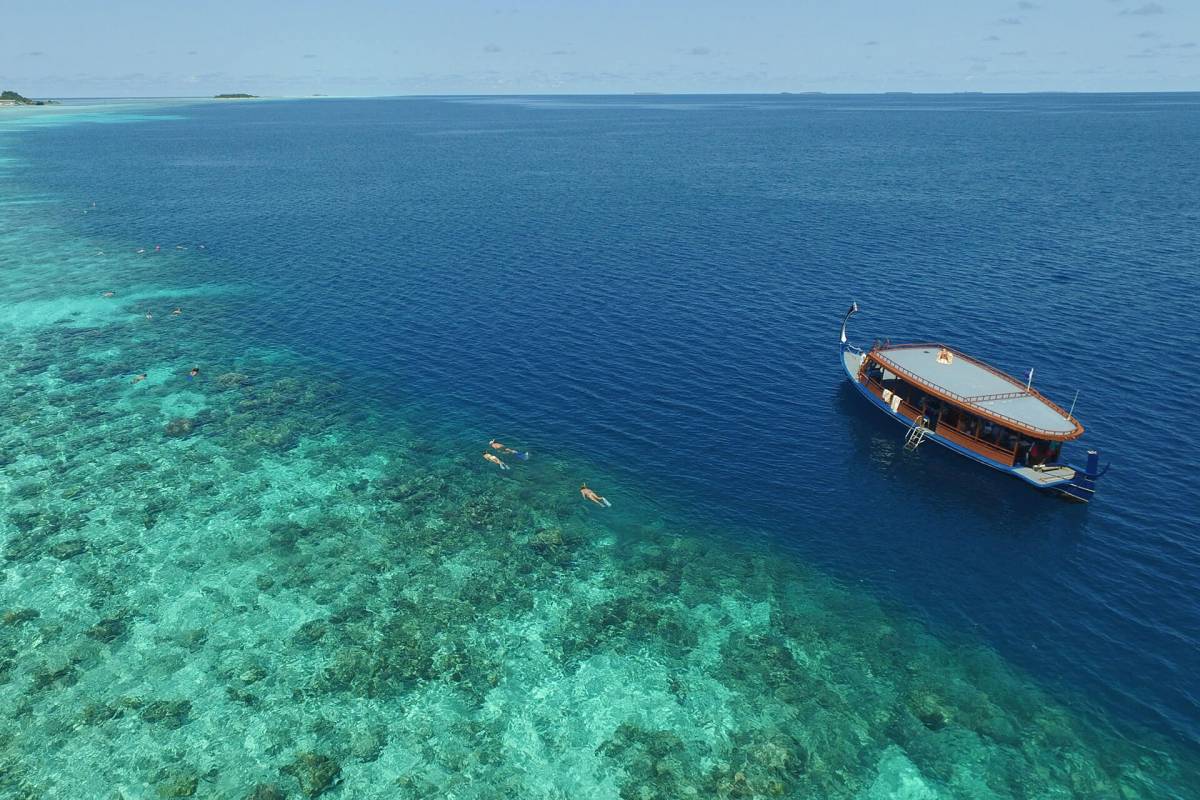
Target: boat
941, 394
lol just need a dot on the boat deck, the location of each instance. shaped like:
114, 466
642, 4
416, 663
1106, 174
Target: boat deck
976, 385
1046, 477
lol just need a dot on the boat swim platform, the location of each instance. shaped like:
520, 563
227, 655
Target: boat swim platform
1049, 476
977, 387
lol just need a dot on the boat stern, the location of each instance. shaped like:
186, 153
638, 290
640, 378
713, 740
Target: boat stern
1082, 487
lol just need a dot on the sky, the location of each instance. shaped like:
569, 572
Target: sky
160, 48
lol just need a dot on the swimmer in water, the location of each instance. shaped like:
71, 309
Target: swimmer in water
149, 315
141, 250
108, 294
508, 450
495, 460
177, 311
588, 494
140, 378
157, 247
193, 372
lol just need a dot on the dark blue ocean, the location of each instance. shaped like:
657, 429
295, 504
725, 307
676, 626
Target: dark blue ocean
645, 293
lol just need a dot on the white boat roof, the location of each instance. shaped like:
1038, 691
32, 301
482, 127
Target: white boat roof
979, 387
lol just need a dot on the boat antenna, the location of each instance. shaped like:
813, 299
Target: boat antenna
1072, 411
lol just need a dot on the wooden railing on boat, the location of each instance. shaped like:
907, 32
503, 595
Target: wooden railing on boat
974, 443
906, 408
984, 448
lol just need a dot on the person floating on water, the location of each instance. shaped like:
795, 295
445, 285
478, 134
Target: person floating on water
193, 372
495, 460
508, 450
588, 494
177, 311
140, 378
108, 294
149, 315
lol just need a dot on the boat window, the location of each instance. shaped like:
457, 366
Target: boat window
1043, 452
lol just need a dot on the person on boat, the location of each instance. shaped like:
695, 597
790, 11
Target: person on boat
508, 450
944, 356
588, 494
495, 460
140, 378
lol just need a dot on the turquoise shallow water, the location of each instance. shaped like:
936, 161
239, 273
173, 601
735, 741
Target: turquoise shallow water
262, 583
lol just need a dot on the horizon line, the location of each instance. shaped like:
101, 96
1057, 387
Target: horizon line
771, 93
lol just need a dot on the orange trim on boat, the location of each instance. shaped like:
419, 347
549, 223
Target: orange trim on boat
878, 355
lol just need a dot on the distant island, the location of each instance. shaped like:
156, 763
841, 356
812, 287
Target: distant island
11, 98
235, 96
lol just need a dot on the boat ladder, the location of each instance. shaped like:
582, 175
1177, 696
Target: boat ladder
916, 435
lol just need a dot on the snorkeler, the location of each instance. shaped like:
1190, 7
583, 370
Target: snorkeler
495, 460
588, 494
140, 378
193, 372
524, 456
